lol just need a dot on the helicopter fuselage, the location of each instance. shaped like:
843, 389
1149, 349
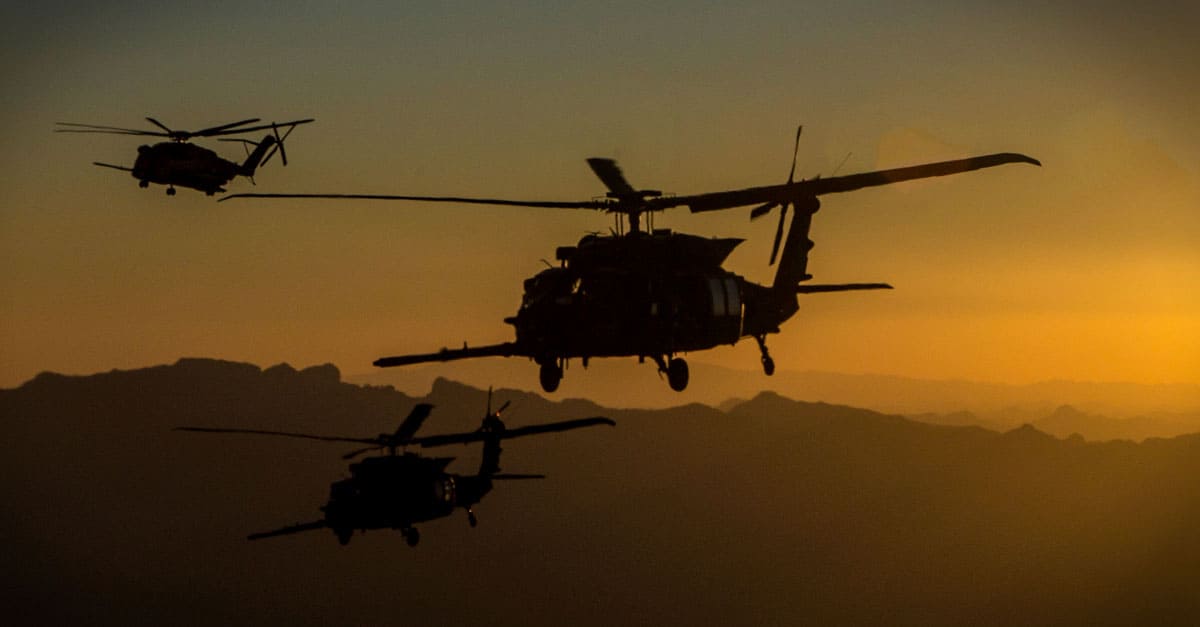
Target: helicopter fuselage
396, 492
185, 165
645, 295
617, 313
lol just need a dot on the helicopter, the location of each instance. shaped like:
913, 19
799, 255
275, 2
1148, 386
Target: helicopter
652, 293
177, 162
398, 489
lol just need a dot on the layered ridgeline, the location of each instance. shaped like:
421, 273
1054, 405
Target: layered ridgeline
1095, 410
770, 511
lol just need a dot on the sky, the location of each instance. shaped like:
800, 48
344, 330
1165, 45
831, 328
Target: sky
1084, 269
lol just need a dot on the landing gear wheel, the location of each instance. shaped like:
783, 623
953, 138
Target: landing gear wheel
170, 191
412, 536
143, 183
677, 374
768, 364
550, 376
343, 536
471, 519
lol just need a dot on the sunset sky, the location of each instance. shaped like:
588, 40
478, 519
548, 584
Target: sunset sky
1085, 269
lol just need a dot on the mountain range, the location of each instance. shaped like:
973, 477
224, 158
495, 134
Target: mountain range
766, 511
623, 383
1095, 410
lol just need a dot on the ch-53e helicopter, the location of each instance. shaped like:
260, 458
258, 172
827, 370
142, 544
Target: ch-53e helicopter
178, 162
658, 294
399, 489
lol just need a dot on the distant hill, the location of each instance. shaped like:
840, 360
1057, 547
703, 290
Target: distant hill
774, 511
1066, 421
624, 383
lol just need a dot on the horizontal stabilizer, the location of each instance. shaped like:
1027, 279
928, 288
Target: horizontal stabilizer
115, 167
309, 526
508, 349
843, 287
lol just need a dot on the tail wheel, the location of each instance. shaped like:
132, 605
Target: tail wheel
343, 536
677, 374
412, 536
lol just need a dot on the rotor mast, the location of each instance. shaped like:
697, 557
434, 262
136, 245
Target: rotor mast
630, 202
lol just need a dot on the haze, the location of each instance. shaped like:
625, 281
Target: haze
1085, 269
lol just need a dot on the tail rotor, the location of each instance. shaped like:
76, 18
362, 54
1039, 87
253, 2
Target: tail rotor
766, 208
278, 147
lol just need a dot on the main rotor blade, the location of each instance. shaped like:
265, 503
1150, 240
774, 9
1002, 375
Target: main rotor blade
308, 436
610, 174
795, 151
213, 130
95, 128
413, 422
816, 187
357, 452
844, 287
115, 167
507, 349
477, 436
309, 526
161, 125
251, 129
549, 204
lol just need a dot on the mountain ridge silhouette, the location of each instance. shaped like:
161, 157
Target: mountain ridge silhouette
773, 511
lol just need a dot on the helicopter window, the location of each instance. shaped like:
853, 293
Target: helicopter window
733, 299
717, 290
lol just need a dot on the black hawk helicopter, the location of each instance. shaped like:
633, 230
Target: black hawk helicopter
658, 294
399, 489
177, 162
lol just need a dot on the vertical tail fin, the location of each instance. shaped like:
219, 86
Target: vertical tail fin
256, 157
490, 462
793, 263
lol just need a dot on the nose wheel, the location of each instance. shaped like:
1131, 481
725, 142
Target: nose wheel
471, 519
170, 191
411, 536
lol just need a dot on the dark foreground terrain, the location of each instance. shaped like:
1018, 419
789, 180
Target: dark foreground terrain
775, 512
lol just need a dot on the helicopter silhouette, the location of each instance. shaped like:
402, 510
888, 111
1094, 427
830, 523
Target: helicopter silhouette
399, 489
654, 293
177, 162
